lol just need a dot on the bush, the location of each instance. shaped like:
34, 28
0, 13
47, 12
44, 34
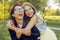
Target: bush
4, 16
53, 18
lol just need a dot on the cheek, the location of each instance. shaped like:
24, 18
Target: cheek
15, 15
26, 13
32, 11
23, 14
32, 14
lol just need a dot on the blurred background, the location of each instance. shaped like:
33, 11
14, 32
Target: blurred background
49, 9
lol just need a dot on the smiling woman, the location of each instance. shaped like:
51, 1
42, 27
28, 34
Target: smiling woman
46, 33
17, 14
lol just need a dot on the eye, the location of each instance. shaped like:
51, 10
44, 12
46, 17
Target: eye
29, 8
15, 9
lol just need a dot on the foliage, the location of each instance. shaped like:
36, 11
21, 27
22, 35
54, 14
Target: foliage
52, 18
5, 6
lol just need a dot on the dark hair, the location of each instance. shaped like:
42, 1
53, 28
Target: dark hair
26, 18
12, 12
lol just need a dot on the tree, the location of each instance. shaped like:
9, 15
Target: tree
58, 12
38, 4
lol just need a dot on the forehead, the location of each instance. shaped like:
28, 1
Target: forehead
18, 7
27, 7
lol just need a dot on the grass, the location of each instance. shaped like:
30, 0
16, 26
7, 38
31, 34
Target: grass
4, 34
57, 32
53, 23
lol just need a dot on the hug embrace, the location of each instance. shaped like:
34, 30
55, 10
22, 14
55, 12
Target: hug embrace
27, 24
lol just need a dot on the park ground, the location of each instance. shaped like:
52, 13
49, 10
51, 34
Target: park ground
4, 34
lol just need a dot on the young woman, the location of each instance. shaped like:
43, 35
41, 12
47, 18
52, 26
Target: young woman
35, 18
18, 22
46, 33
17, 14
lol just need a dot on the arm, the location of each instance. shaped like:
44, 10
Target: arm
33, 32
30, 25
32, 22
27, 30
12, 27
37, 18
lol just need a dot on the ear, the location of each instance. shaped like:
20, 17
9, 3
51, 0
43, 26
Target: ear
13, 15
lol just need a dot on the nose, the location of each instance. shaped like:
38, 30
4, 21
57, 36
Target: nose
20, 11
29, 11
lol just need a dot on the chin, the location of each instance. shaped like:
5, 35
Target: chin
29, 16
20, 18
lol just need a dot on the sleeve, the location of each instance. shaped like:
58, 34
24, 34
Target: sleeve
40, 25
35, 32
39, 17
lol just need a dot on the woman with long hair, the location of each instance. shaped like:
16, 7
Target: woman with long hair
38, 21
17, 29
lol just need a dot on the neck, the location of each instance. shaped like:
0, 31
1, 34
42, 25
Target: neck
19, 21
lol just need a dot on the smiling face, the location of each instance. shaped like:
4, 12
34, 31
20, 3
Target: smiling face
29, 11
18, 12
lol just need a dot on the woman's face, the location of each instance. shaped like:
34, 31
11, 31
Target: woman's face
28, 11
18, 12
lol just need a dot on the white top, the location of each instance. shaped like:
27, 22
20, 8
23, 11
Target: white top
40, 25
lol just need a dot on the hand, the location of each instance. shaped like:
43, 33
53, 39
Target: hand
27, 32
18, 32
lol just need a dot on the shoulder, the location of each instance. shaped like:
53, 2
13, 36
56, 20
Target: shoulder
34, 17
9, 22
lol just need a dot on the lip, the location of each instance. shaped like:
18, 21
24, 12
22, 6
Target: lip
29, 13
19, 14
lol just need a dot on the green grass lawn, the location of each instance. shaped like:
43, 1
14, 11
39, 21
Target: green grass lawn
53, 23
4, 34
57, 32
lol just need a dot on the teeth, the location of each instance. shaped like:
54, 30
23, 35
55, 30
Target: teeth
20, 15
